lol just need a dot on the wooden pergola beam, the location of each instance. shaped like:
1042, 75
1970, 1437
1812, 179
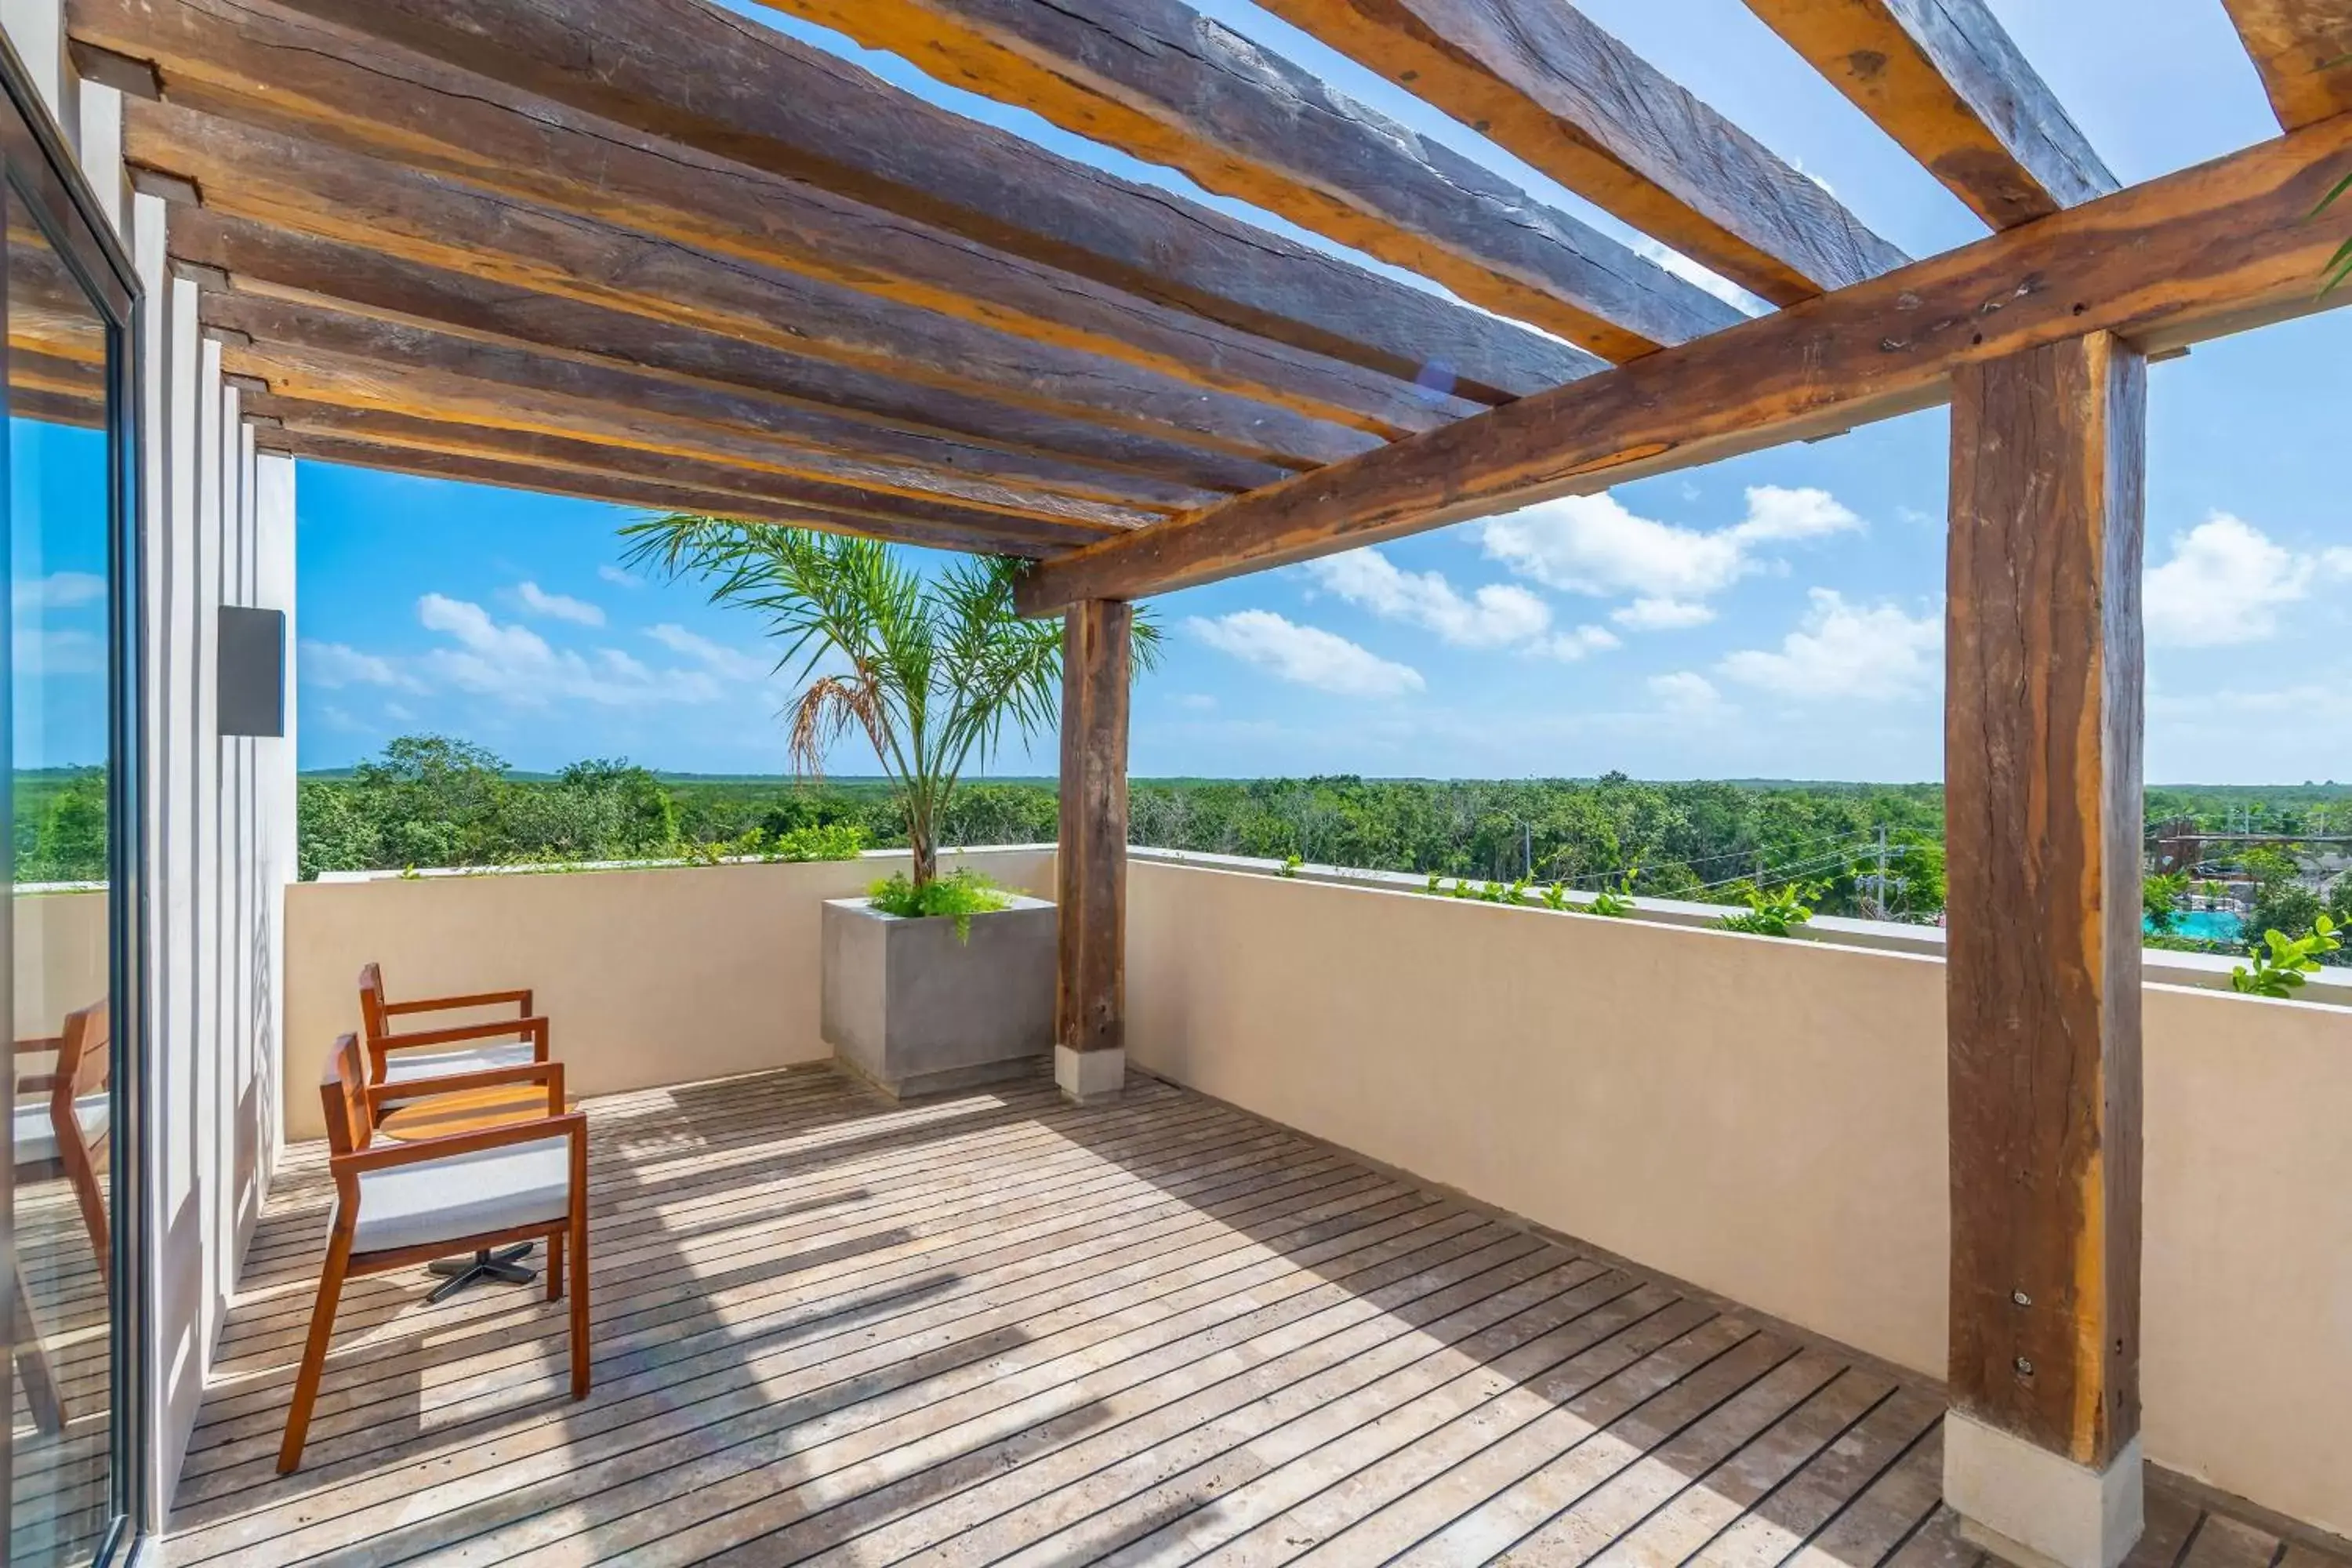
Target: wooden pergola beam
1540, 79
2206, 251
1945, 81
2303, 50
695, 76
446, 445
622, 490
362, 364
250, 259
262, 106
1158, 80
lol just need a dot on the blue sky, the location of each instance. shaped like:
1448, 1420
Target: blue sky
1774, 615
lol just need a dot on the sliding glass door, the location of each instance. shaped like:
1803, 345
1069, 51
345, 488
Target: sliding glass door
73, 1267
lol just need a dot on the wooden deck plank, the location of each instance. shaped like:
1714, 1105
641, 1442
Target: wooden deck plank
1000, 1329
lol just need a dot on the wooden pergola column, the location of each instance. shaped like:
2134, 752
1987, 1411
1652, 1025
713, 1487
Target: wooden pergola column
2043, 721
1090, 1004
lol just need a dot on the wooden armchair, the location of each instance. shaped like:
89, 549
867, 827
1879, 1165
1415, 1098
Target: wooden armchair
397, 1057
64, 1118
401, 1205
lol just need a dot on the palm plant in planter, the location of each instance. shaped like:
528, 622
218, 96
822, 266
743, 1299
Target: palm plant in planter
935, 673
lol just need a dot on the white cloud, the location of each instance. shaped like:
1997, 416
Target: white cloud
1593, 544
536, 600
1575, 645
59, 591
1197, 702
1661, 615
1496, 616
718, 658
2223, 584
1690, 271
1306, 655
618, 578
516, 664
1686, 691
47, 655
334, 665
1843, 652
2336, 563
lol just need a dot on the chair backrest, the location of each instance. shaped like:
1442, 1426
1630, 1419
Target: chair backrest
373, 1019
85, 1065
343, 1089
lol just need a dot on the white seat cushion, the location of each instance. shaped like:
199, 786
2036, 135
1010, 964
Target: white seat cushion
399, 1067
36, 1135
463, 1195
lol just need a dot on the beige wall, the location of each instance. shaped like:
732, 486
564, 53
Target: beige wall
61, 958
649, 977
1767, 1119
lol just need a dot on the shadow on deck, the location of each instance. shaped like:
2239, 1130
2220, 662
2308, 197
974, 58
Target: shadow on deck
998, 1329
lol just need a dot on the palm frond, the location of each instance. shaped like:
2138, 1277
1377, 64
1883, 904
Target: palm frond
935, 673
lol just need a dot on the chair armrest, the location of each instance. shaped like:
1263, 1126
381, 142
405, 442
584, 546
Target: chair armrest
495, 1028
452, 1003
548, 1073
47, 1043
383, 1156
36, 1082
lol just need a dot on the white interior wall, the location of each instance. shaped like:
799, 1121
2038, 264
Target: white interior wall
219, 529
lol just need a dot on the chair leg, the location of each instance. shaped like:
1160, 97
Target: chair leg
81, 1174
555, 1265
580, 1302
314, 1351
41, 1395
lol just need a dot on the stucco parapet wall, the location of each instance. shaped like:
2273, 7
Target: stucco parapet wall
2163, 966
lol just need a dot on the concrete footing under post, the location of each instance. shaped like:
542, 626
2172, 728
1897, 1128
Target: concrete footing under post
2036, 1508
1089, 1075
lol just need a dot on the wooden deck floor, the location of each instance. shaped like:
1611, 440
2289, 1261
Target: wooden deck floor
999, 1330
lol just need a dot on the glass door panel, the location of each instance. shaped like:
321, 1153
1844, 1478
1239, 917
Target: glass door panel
62, 1389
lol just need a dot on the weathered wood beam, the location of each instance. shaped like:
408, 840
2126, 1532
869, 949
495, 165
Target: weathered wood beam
2197, 254
1158, 80
622, 490
1539, 77
1234, 307
1945, 81
360, 362
2042, 741
746, 254
431, 440
250, 259
2303, 50
1090, 869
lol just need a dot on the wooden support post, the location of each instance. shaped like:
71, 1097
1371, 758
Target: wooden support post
2043, 738
1090, 1022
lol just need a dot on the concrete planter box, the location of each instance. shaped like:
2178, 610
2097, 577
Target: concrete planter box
914, 1010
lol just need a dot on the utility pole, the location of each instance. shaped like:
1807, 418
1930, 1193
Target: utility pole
1528, 849
1881, 872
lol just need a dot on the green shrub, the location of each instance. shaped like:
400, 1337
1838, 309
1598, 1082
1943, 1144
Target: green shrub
958, 896
1777, 913
819, 841
2281, 961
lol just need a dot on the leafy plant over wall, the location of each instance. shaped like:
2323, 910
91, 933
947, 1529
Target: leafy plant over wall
1775, 913
2280, 962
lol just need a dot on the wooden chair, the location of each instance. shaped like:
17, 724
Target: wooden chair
401, 1205
63, 1118
396, 1057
